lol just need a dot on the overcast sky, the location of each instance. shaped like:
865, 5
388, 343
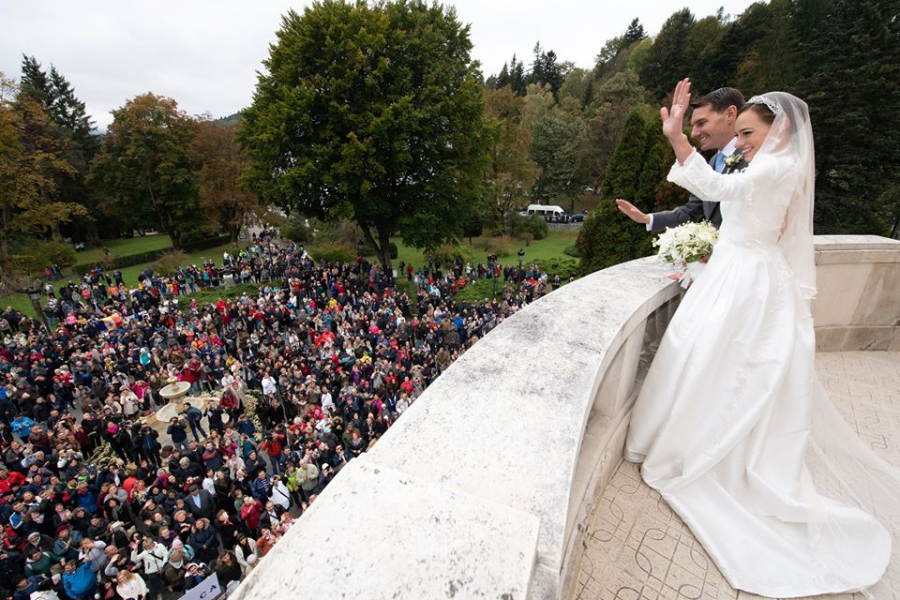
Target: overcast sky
205, 54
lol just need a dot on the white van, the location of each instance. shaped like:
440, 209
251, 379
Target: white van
545, 210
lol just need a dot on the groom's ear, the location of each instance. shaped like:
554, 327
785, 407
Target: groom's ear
731, 113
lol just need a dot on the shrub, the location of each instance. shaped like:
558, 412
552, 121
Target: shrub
515, 223
447, 254
168, 263
332, 253
537, 227
34, 256
121, 262
501, 246
564, 267
571, 251
205, 243
297, 229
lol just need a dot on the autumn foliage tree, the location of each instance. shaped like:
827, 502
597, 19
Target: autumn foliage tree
222, 163
30, 165
511, 172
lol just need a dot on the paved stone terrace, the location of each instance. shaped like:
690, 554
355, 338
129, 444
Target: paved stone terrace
638, 549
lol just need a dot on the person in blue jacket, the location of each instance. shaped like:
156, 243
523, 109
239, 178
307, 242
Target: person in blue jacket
79, 581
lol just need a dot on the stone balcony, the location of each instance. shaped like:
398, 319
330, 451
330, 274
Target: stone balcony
505, 479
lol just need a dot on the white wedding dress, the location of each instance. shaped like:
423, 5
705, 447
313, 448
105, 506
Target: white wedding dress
723, 421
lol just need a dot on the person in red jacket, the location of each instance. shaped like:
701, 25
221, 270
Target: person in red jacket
251, 512
274, 445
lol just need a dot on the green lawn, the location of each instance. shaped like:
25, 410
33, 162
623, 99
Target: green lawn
124, 247
129, 274
546, 249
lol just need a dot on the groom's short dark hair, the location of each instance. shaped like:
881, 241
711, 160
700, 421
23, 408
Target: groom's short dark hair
719, 100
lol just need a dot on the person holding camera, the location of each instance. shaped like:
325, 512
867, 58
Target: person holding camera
178, 433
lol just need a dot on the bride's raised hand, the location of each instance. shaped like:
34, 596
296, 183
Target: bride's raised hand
673, 118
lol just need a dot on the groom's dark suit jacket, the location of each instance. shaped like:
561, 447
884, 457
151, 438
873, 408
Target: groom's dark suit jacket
695, 210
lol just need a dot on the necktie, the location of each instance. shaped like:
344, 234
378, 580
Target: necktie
720, 162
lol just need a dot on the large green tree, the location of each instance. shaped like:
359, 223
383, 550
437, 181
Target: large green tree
373, 112
146, 167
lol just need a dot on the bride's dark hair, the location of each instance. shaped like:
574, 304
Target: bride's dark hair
762, 111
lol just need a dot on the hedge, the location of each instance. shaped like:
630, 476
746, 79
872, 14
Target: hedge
129, 260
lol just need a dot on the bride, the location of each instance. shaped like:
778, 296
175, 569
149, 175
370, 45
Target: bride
731, 425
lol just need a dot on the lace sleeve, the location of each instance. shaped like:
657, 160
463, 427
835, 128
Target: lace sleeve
703, 181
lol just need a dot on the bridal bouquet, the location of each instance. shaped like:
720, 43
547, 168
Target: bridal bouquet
687, 245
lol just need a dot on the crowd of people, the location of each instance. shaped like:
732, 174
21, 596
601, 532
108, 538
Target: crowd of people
98, 499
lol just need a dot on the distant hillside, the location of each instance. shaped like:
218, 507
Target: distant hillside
230, 119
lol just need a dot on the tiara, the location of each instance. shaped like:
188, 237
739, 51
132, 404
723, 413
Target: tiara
770, 104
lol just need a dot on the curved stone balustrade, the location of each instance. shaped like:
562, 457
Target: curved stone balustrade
858, 306
485, 486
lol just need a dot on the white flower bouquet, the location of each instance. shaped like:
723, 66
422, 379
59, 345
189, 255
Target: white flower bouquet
687, 245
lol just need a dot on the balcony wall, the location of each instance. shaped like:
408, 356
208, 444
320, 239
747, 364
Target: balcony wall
485, 486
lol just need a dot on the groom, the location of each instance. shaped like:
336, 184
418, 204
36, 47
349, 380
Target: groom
712, 124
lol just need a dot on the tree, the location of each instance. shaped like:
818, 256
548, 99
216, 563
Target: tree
612, 101
634, 33
222, 163
608, 237
511, 172
557, 136
545, 70
852, 95
29, 165
146, 165
668, 59
372, 112
72, 127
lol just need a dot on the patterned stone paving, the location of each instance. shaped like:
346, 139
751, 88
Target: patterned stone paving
638, 549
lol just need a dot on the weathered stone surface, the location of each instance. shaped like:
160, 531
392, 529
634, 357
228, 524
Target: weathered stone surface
377, 534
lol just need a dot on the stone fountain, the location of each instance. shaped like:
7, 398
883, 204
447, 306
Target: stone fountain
175, 395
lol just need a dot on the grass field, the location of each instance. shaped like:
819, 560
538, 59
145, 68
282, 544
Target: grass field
124, 247
129, 274
546, 249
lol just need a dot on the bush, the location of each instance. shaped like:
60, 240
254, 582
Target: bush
122, 261
501, 246
203, 244
515, 223
394, 251
332, 253
447, 254
537, 227
571, 251
297, 229
564, 267
168, 263
34, 256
